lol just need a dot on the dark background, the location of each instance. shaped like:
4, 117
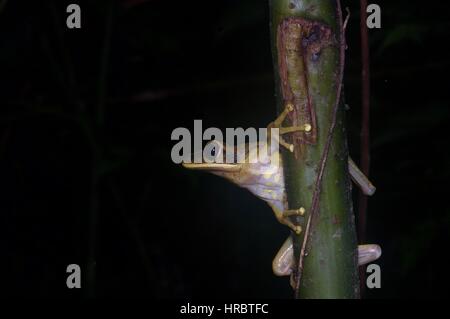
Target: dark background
86, 119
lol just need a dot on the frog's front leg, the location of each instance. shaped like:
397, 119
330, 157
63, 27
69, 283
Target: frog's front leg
284, 215
357, 176
283, 263
285, 130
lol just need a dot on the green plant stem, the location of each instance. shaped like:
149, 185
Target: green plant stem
317, 175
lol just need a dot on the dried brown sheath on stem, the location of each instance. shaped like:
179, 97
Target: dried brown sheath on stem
300, 43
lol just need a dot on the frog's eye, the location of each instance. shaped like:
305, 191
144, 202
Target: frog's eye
213, 152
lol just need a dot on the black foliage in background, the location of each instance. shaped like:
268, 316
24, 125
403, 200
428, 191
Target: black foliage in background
86, 119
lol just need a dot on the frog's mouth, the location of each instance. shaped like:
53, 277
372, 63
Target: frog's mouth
215, 163
213, 166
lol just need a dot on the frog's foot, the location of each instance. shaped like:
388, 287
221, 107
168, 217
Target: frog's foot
285, 130
284, 217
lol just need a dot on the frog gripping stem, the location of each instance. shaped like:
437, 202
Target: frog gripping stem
307, 182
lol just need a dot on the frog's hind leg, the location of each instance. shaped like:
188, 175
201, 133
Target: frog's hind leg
283, 263
368, 253
360, 179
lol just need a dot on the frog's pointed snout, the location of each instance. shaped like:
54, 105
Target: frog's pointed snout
211, 159
213, 166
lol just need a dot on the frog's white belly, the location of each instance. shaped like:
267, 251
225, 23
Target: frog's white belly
270, 188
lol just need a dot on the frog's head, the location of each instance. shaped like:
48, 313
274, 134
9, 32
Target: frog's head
214, 161
241, 166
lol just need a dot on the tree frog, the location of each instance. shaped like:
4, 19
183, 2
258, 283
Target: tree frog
265, 179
